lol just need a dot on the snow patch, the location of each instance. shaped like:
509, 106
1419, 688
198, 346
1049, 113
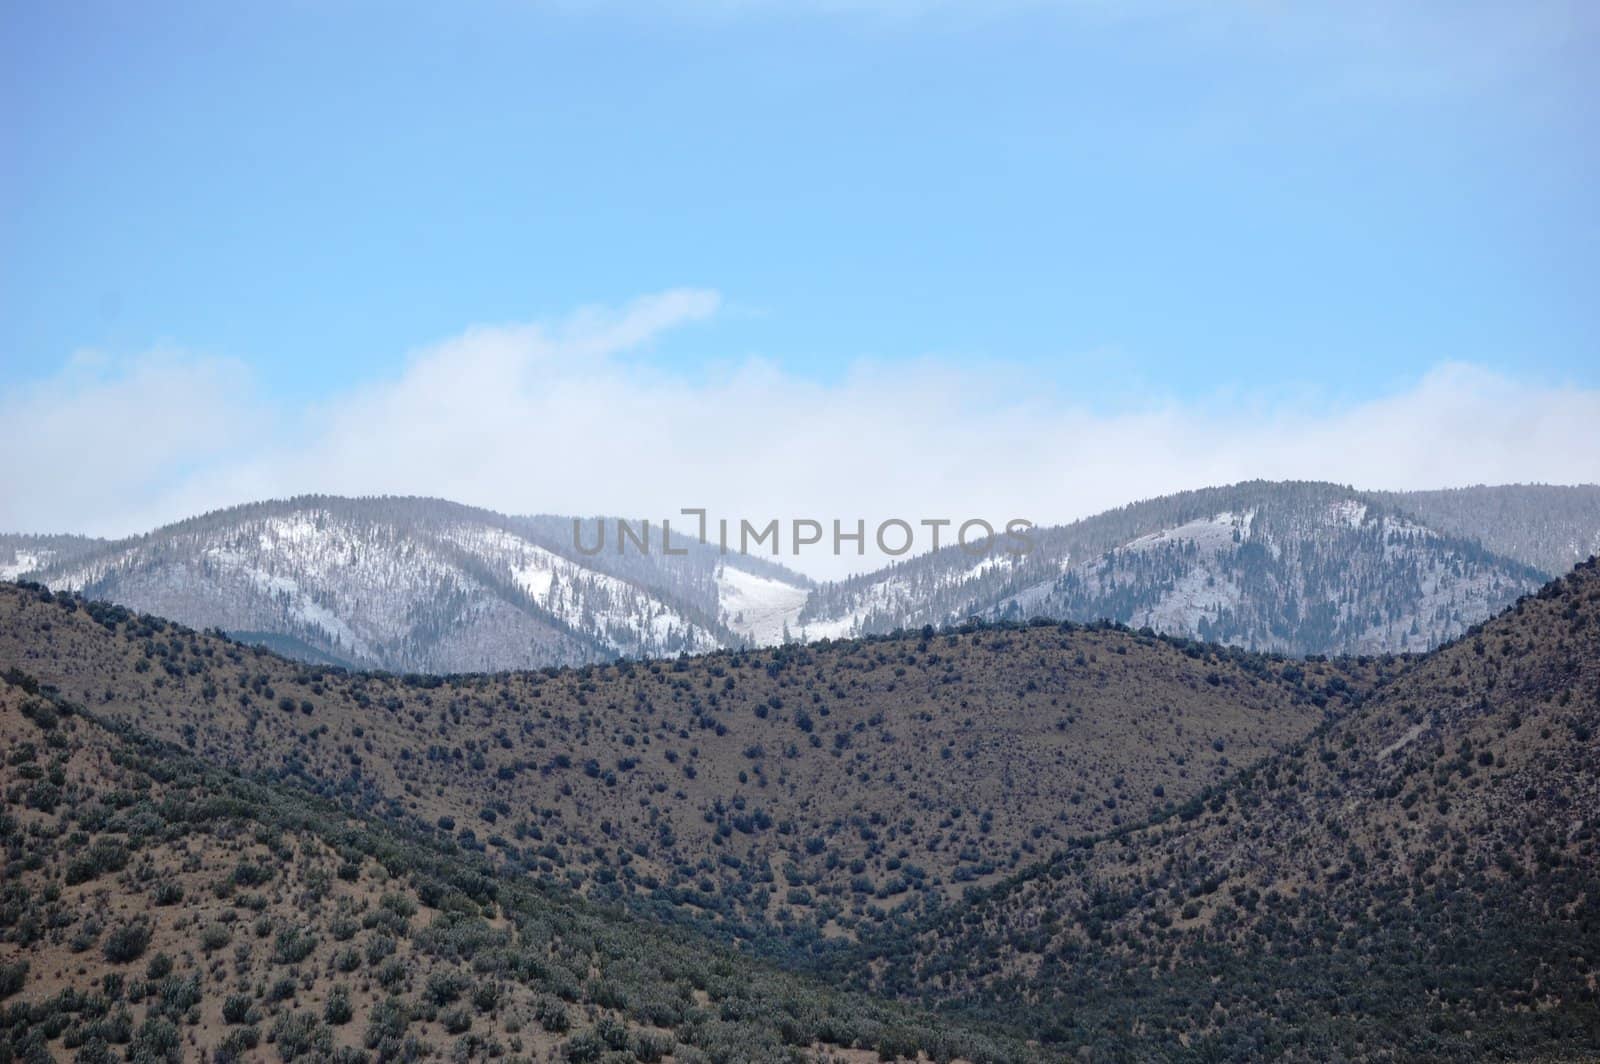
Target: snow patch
759, 607
24, 561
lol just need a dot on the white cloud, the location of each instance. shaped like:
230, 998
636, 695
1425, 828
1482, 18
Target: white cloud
548, 418
105, 444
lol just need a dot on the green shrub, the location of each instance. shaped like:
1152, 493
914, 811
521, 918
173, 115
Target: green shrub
337, 1011
585, 1047
651, 1047
387, 1022
126, 942
12, 976
214, 936
552, 1015
237, 1008
237, 1045
248, 874
299, 1034
157, 1040
293, 945
445, 987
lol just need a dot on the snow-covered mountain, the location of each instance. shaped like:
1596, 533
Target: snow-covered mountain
426, 585
430, 586
1303, 568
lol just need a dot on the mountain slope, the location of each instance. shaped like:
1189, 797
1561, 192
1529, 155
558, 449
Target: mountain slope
419, 585
1300, 568
154, 908
1415, 881
800, 794
1549, 527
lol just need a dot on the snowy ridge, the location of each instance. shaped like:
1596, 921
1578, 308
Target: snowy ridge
1342, 578
426, 585
1291, 567
413, 585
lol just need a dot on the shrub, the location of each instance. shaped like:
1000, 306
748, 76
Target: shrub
247, 874
42, 713
12, 976
237, 1045
237, 1008
126, 942
392, 974
337, 1011
445, 987
104, 856
585, 1046
157, 1040
292, 946
650, 1047
214, 936
552, 1015
387, 1023
379, 947
95, 1051
298, 1034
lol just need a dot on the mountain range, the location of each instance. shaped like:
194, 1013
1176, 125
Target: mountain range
423, 585
419, 585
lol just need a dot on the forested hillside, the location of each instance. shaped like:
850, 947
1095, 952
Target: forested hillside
800, 793
1415, 880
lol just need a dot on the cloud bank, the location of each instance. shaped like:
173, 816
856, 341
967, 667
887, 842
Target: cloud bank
558, 417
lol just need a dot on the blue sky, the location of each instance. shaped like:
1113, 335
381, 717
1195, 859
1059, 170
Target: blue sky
1205, 198
1203, 206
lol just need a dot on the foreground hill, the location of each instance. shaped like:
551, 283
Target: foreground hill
154, 908
1417, 880
1301, 568
421, 585
800, 793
